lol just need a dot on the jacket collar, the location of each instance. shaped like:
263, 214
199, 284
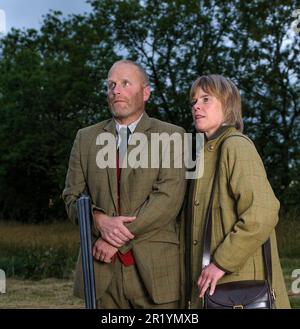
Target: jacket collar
143, 125
220, 131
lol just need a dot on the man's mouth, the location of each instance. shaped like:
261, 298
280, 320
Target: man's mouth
119, 101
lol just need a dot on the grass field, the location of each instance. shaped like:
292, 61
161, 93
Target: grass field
47, 293
39, 261
38, 251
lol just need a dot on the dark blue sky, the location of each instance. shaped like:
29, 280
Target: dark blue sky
28, 13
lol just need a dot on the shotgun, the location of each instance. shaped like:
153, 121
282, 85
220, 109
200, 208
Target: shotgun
84, 219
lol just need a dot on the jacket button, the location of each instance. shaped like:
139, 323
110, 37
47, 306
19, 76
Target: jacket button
195, 242
211, 147
196, 203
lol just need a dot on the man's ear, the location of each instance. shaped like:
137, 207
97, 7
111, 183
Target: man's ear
147, 93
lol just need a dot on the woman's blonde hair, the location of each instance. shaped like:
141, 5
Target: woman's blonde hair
226, 92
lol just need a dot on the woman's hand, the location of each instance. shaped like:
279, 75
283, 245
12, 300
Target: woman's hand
209, 277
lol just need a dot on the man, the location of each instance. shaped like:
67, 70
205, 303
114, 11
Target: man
136, 249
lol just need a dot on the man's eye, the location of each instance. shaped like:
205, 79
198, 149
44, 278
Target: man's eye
125, 83
111, 85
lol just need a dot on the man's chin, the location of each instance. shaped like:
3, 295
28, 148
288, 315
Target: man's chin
118, 115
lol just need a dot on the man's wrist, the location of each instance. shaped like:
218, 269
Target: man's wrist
97, 218
97, 211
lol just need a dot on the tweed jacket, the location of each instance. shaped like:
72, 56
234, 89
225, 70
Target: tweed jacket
153, 195
244, 215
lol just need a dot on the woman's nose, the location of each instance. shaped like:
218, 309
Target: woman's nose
197, 105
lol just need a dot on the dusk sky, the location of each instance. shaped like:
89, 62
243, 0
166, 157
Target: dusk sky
28, 13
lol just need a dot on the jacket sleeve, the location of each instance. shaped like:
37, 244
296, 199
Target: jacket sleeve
76, 183
256, 205
162, 205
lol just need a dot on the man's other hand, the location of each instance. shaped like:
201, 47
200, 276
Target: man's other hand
113, 229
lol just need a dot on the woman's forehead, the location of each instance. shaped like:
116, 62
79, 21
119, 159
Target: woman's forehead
199, 92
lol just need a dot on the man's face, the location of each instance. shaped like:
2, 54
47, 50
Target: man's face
127, 93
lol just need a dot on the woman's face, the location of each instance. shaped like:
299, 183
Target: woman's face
207, 112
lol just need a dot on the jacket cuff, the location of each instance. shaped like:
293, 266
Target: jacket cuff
94, 207
128, 246
220, 267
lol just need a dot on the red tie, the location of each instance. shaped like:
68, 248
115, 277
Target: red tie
126, 259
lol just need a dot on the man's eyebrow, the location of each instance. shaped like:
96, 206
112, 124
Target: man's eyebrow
125, 79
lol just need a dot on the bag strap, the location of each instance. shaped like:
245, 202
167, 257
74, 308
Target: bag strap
207, 233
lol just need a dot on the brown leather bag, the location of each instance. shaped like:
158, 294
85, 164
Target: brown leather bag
251, 294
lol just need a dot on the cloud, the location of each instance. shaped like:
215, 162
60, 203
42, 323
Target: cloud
28, 13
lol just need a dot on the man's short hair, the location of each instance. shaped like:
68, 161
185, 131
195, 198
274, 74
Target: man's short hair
137, 65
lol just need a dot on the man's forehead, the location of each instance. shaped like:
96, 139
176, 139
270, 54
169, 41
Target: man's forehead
123, 70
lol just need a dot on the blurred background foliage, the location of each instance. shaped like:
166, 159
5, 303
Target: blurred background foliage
53, 82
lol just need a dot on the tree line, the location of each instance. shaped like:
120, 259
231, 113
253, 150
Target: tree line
53, 82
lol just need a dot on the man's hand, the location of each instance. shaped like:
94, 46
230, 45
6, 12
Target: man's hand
209, 277
112, 229
103, 251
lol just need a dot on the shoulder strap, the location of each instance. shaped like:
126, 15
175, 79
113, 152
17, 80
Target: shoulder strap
207, 233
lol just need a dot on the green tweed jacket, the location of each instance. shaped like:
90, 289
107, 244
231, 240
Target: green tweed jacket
245, 213
153, 195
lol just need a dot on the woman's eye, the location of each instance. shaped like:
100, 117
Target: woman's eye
205, 99
193, 102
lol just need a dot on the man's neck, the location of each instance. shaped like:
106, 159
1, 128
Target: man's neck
129, 122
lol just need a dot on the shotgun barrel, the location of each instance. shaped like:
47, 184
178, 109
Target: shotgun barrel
84, 219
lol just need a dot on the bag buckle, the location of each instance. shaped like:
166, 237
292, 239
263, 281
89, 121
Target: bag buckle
273, 294
237, 307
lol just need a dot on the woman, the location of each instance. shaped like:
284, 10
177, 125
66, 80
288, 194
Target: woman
245, 209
